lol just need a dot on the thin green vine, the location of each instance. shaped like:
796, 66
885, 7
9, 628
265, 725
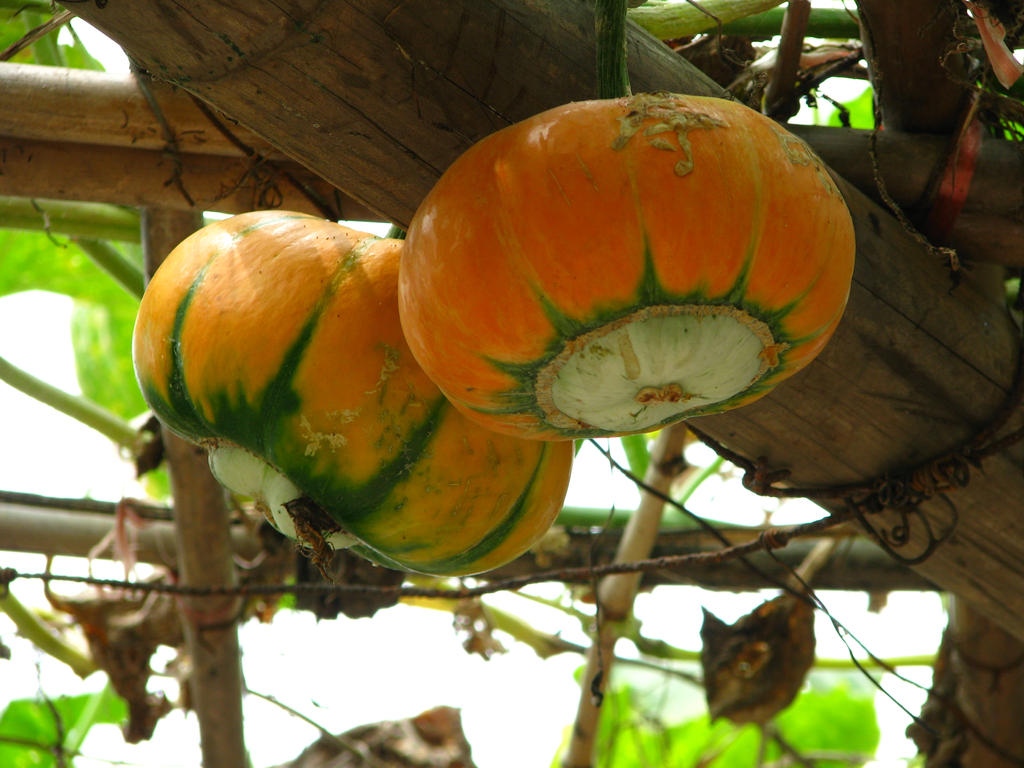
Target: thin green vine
659, 649
669, 20
99, 221
125, 272
75, 406
32, 628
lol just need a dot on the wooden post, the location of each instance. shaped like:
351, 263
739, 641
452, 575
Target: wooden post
204, 557
616, 594
972, 717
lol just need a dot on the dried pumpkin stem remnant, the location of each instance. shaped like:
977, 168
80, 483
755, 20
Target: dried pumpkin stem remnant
669, 117
275, 495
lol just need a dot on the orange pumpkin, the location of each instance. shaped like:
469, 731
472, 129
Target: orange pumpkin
610, 267
272, 339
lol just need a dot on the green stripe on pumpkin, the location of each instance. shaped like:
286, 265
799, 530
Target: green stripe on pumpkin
178, 410
358, 507
252, 420
499, 533
182, 415
467, 561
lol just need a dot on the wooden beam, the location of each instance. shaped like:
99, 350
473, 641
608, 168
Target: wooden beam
380, 96
989, 226
975, 678
383, 118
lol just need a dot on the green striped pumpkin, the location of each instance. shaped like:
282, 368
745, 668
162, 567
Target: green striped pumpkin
273, 339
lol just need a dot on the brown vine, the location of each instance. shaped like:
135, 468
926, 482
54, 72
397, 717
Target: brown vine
142, 79
264, 171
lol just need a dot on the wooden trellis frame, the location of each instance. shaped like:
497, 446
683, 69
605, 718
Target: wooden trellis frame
376, 98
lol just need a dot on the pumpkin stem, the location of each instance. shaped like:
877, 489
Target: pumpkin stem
277, 497
612, 73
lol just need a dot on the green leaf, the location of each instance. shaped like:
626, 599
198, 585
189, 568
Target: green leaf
44, 49
34, 722
34, 261
157, 484
630, 737
103, 318
861, 111
9, 35
76, 55
735, 747
835, 719
101, 335
637, 728
103, 706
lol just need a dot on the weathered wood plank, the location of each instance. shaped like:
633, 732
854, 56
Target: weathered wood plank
379, 96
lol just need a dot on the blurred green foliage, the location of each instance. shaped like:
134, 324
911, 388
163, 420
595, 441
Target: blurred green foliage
33, 732
644, 725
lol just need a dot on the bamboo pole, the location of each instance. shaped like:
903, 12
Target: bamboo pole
671, 20
87, 107
76, 533
107, 257
75, 527
743, 18
62, 136
31, 168
615, 594
84, 135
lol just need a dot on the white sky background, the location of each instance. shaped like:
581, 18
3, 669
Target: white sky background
344, 673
